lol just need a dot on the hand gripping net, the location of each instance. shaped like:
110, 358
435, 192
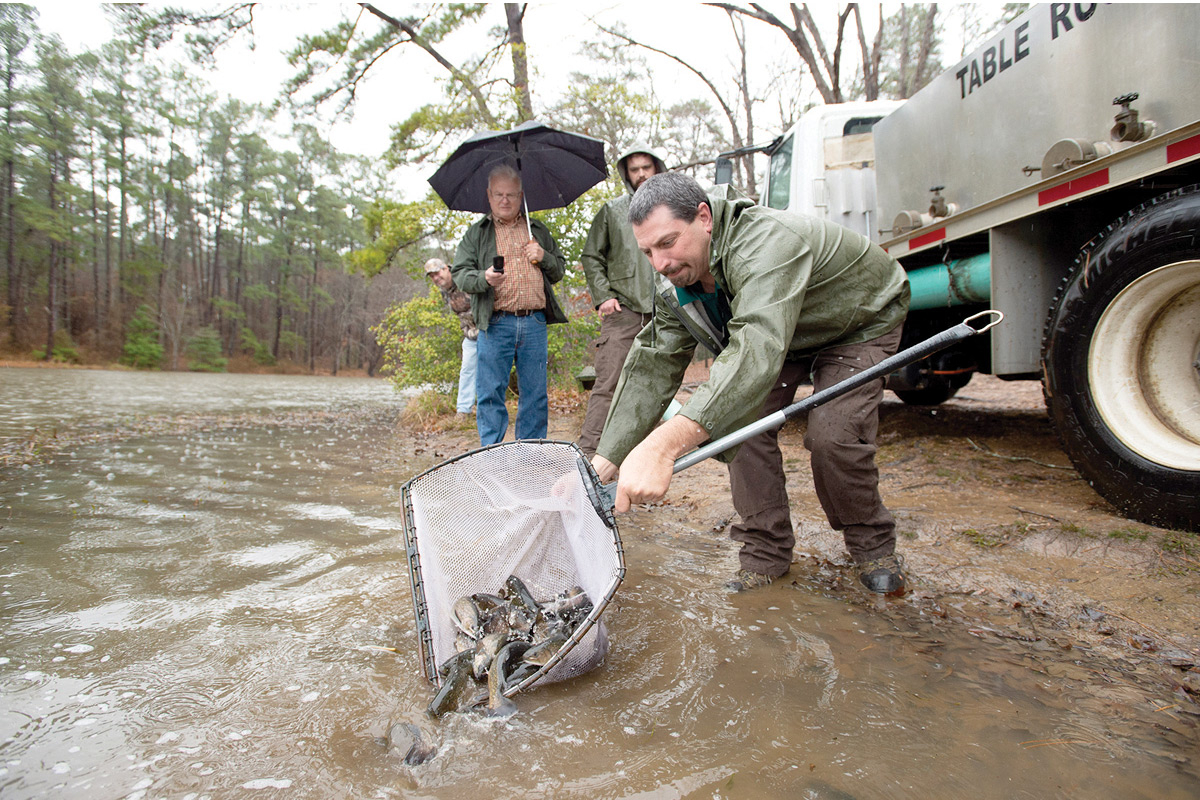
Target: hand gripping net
519, 508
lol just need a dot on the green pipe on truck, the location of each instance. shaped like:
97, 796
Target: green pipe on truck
963, 281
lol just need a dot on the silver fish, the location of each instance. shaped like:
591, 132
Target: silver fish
459, 691
405, 739
541, 653
466, 616
485, 652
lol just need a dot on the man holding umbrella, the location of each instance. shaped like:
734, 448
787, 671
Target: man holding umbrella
507, 263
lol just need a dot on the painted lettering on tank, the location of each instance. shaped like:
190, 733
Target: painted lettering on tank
1014, 47
994, 60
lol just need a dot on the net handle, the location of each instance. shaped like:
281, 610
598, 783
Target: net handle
604, 497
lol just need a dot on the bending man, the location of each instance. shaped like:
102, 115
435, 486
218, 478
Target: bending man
777, 295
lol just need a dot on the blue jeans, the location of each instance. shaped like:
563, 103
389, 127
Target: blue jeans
466, 377
510, 339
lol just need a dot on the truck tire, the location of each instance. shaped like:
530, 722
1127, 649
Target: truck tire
1121, 362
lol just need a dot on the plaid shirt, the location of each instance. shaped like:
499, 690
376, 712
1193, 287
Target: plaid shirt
522, 289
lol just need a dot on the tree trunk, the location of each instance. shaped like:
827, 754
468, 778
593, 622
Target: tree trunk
97, 305
9, 207
279, 293
52, 278
919, 79
124, 220
236, 278
905, 80
312, 311
108, 230
515, 12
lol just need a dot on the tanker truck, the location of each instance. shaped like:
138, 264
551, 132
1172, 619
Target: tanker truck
1054, 175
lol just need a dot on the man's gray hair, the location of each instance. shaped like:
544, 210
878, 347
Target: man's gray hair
504, 171
678, 192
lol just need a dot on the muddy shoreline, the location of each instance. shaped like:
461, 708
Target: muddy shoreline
1001, 536
999, 532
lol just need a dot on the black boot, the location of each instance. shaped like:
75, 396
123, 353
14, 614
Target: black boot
884, 575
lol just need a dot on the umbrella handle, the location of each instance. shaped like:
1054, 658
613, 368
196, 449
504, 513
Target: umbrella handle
528, 224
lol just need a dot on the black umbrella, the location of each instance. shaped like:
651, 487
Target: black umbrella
555, 167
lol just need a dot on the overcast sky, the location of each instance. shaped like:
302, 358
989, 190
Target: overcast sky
407, 78
403, 80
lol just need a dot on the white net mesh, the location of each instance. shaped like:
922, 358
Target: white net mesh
517, 508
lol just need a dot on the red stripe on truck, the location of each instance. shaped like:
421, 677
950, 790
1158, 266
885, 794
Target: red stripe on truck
926, 238
1183, 149
1070, 188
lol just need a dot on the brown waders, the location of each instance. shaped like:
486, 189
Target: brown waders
617, 332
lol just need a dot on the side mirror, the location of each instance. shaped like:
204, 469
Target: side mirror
724, 171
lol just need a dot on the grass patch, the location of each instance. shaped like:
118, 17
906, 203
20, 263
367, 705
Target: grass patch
908, 534
426, 411
1129, 535
1071, 527
988, 538
998, 535
1180, 543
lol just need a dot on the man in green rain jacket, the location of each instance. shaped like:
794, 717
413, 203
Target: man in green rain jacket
779, 296
621, 282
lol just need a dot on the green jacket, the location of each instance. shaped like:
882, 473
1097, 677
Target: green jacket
794, 285
612, 262
474, 256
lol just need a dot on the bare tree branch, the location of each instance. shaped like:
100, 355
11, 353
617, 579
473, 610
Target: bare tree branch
926, 48
746, 162
799, 40
836, 72
806, 18
729, 113
455, 72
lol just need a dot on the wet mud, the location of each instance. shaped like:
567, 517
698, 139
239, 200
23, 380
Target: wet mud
999, 531
218, 605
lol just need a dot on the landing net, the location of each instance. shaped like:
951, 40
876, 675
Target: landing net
516, 508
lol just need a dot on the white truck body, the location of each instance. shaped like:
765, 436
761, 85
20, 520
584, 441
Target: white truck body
1064, 153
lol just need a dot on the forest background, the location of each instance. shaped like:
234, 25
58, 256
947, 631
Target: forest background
152, 218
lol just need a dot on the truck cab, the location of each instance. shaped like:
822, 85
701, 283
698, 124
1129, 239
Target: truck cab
824, 166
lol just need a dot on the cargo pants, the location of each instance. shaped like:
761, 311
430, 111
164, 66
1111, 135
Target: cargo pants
617, 332
841, 439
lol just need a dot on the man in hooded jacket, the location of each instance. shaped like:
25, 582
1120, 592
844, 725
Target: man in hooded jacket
778, 296
621, 282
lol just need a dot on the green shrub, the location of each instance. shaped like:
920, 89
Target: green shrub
142, 350
63, 352
256, 347
422, 343
570, 346
204, 351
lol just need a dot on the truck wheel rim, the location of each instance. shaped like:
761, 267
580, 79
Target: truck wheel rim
1143, 368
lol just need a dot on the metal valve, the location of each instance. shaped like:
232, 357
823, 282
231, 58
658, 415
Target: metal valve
1127, 127
938, 207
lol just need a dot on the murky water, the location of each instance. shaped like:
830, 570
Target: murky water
214, 614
